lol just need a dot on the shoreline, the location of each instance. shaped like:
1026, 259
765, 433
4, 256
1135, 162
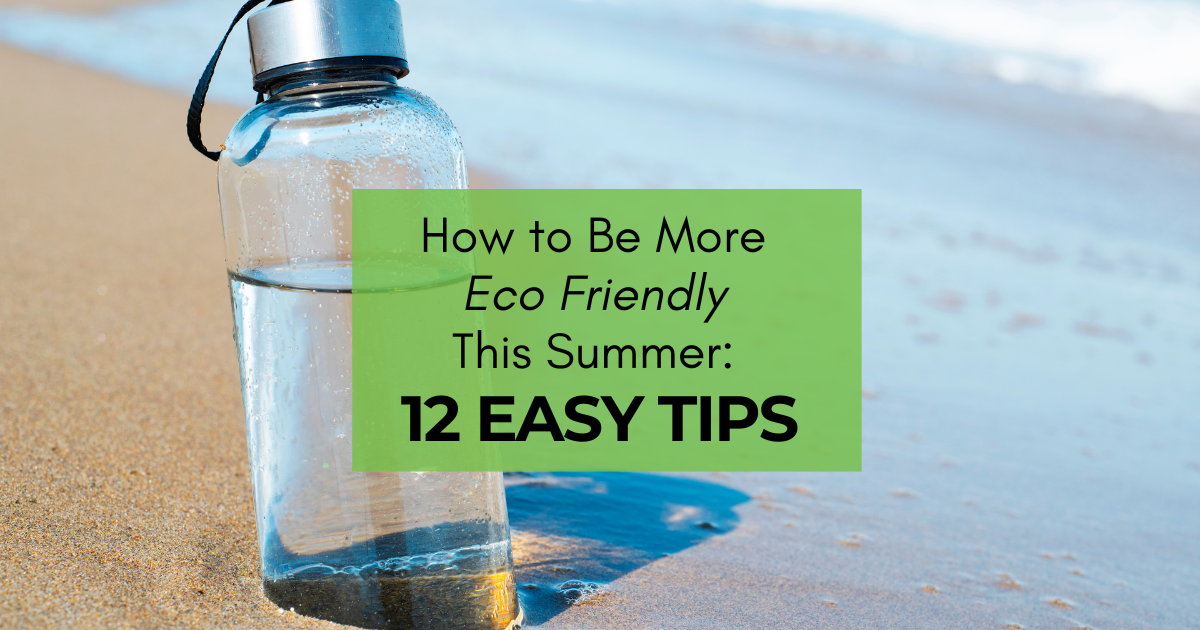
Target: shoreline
1030, 275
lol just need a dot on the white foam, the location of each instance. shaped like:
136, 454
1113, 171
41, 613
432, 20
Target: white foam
704, 93
428, 563
1137, 49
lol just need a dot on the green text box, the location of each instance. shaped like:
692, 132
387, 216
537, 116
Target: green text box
787, 328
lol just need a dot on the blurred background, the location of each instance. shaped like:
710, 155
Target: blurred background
1031, 268
722, 93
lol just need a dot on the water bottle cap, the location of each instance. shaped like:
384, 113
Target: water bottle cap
299, 35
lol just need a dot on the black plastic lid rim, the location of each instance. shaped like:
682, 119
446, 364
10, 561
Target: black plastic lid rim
395, 65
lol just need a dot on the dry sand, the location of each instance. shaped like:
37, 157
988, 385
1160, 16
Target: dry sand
125, 499
74, 6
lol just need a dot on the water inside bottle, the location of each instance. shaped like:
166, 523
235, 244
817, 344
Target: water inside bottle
380, 550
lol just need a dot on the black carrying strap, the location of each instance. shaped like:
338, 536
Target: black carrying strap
197, 106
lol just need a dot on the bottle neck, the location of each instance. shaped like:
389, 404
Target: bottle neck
330, 79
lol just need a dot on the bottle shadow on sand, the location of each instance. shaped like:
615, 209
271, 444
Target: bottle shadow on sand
573, 533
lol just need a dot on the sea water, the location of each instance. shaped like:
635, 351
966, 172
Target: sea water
372, 549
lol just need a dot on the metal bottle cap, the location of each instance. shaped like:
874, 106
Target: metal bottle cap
298, 35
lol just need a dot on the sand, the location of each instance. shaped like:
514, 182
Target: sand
74, 6
125, 499
125, 484
1030, 282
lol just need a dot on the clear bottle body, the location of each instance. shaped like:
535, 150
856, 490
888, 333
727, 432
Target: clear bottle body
394, 550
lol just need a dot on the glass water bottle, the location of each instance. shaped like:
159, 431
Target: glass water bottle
378, 550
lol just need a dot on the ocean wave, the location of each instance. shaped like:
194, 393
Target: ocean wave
1139, 50
612, 93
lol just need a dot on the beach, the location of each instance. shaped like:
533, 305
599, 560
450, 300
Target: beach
1031, 273
124, 454
125, 474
